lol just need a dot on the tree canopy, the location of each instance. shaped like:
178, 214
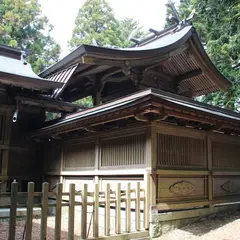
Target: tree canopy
23, 26
96, 24
218, 25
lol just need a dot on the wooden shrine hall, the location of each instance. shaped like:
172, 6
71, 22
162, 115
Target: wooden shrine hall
144, 124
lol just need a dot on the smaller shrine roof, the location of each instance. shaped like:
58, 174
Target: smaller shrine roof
165, 105
15, 71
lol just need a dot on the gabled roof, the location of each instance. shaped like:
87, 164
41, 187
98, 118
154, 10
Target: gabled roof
175, 55
18, 73
151, 101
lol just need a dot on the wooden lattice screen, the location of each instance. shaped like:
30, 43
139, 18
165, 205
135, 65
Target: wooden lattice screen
180, 151
128, 150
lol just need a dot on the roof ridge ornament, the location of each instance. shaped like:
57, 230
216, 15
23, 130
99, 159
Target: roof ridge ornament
24, 57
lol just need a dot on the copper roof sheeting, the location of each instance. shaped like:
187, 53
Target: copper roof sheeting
16, 72
165, 101
61, 77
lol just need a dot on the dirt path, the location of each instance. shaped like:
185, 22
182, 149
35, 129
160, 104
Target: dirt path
225, 226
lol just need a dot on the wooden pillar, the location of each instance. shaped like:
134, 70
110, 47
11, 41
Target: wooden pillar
209, 163
97, 161
151, 160
61, 179
149, 178
7, 125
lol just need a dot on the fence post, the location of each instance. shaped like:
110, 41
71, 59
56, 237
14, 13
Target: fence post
13, 211
84, 213
44, 212
128, 208
118, 209
107, 210
58, 212
29, 211
146, 200
71, 211
137, 206
95, 214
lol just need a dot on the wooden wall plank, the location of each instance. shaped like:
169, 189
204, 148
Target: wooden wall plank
118, 209
29, 210
147, 194
71, 211
58, 217
96, 212
13, 211
107, 210
84, 212
137, 206
44, 213
128, 208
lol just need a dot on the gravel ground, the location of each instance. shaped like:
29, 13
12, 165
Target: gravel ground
222, 226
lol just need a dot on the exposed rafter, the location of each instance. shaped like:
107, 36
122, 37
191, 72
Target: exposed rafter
188, 75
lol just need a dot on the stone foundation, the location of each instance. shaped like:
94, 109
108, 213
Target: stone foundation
161, 223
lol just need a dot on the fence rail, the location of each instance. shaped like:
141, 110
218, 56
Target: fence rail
120, 201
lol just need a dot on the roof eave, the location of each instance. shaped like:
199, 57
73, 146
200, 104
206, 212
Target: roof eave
140, 101
41, 85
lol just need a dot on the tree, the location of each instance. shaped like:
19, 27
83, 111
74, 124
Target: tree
96, 24
23, 26
218, 25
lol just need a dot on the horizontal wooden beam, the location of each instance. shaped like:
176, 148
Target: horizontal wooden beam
196, 203
188, 75
196, 172
112, 172
182, 172
133, 235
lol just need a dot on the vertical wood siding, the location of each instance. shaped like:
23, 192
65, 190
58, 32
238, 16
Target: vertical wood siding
128, 150
226, 155
78, 156
52, 157
180, 151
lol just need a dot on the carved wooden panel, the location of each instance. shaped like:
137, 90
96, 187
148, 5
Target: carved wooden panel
180, 188
79, 156
180, 151
226, 155
128, 150
226, 186
52, 157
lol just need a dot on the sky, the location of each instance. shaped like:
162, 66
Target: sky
62, 14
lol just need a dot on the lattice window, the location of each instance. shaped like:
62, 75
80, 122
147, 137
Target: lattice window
179, 151
79, 156
226, 155
128, 150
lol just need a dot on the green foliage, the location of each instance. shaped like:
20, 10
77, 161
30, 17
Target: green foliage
23, 26
86, 102
51, 116
218, 25
96, 24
